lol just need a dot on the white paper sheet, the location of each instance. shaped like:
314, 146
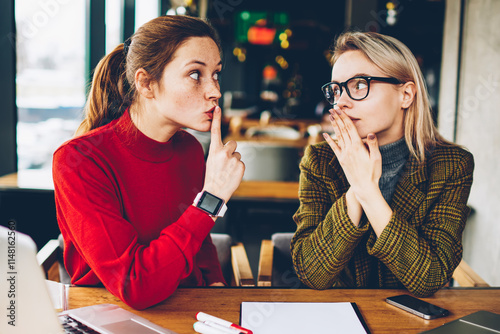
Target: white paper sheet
290, 318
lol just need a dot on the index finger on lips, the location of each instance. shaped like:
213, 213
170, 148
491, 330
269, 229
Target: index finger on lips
215, 130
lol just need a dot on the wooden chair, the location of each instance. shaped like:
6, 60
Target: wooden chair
466, 277
275, 263
275, 260
234, 260
232, 256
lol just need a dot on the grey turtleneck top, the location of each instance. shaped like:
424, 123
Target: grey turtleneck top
394, 157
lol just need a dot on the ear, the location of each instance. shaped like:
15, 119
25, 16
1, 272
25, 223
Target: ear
144, 83
408, 90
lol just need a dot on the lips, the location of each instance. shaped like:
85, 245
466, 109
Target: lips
210, 113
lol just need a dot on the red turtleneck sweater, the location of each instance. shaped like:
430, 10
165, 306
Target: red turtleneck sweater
124, 209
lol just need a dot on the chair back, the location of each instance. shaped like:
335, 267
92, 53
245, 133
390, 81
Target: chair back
63, 274
283, 272
223, 243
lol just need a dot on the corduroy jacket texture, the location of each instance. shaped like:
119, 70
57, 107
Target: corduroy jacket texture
418, 250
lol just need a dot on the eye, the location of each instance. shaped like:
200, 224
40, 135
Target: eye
336, 91
217, 76
360, 84
195, 75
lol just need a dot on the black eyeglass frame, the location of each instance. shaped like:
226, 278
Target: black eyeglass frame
343, 85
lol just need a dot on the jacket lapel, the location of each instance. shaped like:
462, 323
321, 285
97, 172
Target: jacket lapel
408, 195
339, 184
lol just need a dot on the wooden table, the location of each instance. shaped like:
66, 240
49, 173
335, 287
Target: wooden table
178, 312
8, 181
28, 180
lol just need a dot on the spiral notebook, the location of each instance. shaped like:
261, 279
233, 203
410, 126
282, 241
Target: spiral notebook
291, 317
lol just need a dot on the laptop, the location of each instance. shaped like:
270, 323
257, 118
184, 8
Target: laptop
478, 323
27, 306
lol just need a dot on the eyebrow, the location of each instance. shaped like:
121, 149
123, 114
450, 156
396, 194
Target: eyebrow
199, 62
356, 75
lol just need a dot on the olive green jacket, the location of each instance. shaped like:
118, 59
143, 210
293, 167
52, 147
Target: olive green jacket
420, 247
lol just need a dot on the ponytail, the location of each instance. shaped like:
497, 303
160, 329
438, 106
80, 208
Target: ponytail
109, 93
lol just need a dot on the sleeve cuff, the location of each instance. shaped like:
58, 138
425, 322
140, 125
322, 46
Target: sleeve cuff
389, 240
197, 222
347, 230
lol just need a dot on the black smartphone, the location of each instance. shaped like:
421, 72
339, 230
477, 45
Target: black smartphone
418, 307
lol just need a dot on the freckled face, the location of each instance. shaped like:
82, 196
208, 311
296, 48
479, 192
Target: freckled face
189, 89
381, 111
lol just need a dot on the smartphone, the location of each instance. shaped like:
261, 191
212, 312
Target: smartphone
418, 307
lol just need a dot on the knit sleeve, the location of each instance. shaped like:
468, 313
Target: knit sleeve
326, 237
209, 264
105, 247
423, 251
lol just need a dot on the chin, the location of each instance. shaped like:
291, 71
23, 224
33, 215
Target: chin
203, 127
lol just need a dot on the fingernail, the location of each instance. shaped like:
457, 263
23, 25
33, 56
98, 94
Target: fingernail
325, 135
338, 111
331, 118
371, 136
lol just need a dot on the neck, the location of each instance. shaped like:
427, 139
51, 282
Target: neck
151, 124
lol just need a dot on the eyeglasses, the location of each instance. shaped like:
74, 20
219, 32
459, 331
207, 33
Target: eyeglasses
356, 87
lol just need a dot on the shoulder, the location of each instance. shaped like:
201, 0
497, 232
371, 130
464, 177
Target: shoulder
85, 145
450, 159
319, 159
319, 151
450, 155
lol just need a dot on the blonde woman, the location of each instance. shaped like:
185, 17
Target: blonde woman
385, 203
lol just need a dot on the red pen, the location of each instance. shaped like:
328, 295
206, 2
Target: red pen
200, 316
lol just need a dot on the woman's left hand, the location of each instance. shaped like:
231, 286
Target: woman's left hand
360, 159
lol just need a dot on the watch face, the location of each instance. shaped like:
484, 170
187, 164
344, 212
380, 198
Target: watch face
210, 203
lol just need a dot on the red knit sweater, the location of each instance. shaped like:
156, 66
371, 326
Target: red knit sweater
124, 209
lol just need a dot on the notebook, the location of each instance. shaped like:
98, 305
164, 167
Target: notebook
27, 306
309, 317
478, 323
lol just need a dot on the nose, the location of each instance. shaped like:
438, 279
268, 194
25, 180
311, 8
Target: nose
344, 100
212, 91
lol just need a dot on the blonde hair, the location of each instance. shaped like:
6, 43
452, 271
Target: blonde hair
152, 47
395, 59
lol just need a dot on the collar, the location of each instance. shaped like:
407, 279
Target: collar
140, 145
394, 154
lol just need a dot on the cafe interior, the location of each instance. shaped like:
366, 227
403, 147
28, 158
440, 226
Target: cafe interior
275, 60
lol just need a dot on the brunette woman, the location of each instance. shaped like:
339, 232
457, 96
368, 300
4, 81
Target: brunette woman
135, 200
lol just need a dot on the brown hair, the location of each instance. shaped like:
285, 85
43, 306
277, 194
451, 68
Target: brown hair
395, 59
151, 47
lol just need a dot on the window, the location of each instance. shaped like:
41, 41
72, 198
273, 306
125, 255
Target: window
50, 77
145, 10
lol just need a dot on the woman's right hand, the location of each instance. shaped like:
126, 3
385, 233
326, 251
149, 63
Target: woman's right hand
224, 166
